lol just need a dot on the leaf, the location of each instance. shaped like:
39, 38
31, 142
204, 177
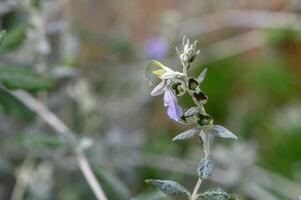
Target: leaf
13, 38
14, 108
202, 75
22, 78
187, 134
168, 187
221, 131
192, 111
215, 194
205, 168
41, 141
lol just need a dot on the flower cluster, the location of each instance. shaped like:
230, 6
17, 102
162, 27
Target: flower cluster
174, 84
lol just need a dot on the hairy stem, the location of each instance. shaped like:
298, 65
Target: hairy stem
196, 189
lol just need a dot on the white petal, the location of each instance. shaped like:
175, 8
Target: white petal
159, 89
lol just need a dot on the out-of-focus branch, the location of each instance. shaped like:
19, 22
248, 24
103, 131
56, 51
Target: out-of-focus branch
63, 131
22, 179
233, 46
255, 191
258, 19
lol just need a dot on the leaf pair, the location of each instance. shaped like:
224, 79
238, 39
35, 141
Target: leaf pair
216, 130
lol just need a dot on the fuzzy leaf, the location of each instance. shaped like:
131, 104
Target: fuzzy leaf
215, 194
187, 134
205, 168
202, 75
168, 187
221, 131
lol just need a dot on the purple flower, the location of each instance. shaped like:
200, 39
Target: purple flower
174, 111
156, 48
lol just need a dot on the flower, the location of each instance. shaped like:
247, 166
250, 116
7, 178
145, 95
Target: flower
174, 111
164, 72
167, 76
156, 48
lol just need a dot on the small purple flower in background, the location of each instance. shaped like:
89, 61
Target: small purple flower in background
174, 111
156, 48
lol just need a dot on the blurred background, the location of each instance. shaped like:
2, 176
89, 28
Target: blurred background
84, 63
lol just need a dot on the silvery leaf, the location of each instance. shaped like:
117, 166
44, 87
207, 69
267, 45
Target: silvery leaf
168, 187
192, 111
221, 131
215, 194
159, 89
202, 75
187, 134
205, 168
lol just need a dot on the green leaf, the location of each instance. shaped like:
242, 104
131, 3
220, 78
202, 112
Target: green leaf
42, 141
221, 131
187, 134
14, 108
215, 194
13, 39
168, 187
205, 168
22, 78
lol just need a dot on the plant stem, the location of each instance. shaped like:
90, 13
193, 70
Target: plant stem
196, 189
90, 177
